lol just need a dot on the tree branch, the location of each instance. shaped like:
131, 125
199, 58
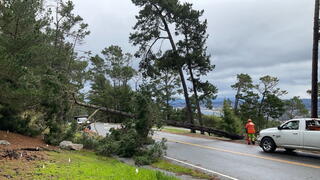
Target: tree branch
108, 110
154, 42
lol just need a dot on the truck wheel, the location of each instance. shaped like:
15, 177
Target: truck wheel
289, 150
268, 145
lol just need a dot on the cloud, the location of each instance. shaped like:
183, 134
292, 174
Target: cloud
258, 37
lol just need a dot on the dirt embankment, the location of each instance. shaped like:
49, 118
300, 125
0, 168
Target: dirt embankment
18, 141
22, 147
22, 155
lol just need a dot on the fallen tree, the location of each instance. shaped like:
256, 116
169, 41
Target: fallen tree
171, 123
108, 110
205, 129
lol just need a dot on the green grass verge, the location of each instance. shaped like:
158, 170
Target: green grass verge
176, 130
87, 165
166, 165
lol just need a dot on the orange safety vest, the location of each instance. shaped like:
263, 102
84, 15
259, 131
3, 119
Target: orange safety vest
250, 128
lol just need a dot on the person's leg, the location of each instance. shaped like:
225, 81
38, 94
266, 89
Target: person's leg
253, 138
248, 139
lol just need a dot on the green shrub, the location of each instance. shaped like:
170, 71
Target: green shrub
129, 143
15, 123
53, 138
107, 148
89, 141
149, 141
71, 131
142, 160
60, 133
122, 142
151, 154
231, 122
212, 121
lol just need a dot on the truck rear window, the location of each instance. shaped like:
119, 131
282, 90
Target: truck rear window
313, 125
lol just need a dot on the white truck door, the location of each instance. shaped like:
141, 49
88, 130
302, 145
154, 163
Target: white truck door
311, 134
290, 134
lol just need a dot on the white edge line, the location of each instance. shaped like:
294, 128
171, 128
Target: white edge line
198, 167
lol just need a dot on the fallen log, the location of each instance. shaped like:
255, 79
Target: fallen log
205, 129
108, 110
172, 123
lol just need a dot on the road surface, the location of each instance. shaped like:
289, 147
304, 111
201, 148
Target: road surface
239, 161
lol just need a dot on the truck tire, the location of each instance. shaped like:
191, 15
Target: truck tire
268, 145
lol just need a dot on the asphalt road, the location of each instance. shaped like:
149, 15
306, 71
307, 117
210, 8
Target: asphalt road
238, 161
103, 128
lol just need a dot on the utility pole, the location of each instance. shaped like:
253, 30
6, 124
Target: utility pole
314, 86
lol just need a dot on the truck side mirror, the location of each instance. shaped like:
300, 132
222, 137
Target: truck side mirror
279, 127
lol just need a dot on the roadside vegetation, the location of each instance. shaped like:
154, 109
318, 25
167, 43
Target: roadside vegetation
43, 77
53, 163
87, 165
167, 165
77, 165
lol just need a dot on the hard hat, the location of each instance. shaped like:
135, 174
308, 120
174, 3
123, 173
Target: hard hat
249, 120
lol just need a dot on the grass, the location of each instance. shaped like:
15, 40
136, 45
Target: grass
166, 165
87, 165
176, 130
187, 132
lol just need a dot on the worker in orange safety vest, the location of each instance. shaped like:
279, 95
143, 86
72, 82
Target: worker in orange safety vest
250, 130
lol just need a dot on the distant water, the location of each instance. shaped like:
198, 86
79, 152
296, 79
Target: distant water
218, 103
212, 112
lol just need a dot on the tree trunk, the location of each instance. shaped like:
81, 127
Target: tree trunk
196, 96
195, 89
260, 112
314, 88
167, 97
183, 81
236, 101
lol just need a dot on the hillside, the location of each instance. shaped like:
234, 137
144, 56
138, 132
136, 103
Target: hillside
218, 103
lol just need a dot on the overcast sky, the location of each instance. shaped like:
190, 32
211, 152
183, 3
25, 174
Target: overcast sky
257, 37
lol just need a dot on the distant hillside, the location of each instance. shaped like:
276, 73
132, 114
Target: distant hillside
218, 103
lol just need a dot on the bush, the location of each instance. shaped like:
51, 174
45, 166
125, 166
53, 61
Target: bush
122, 142
89, 141
212, 121
231, 122
142, 160
16, 123
55, 135
127, 143
107, 147
151, 154
60, 133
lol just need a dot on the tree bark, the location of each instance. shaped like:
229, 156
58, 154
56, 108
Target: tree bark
236, 101
195, 88
183, 82
314, 86
167, 95
108, 110
196, 96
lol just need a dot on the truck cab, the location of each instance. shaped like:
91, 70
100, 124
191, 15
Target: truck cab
291, 135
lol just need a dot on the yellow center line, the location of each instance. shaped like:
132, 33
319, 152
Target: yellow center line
246, 154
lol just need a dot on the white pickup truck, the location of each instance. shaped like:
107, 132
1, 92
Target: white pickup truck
291, 135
